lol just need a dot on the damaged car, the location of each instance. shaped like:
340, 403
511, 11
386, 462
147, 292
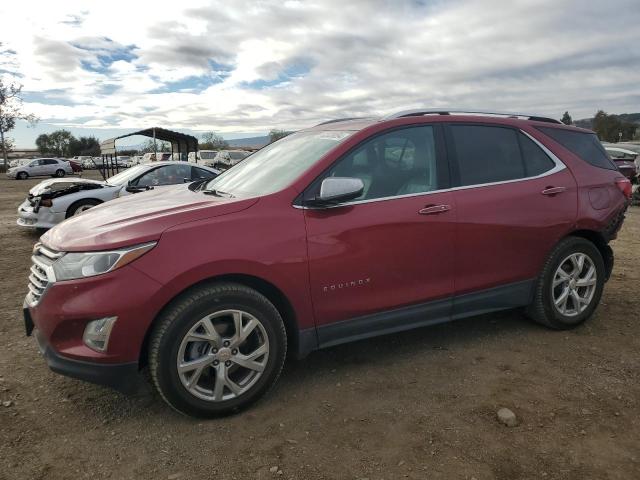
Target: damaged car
52, 201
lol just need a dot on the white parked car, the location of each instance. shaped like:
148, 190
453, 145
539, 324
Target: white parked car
204, 157
41, 167
229, 158
52, 201
123, 161
19, 161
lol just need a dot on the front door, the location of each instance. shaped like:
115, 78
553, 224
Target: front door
375, 262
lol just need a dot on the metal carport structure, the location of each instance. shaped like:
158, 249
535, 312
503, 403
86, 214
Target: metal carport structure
181, 143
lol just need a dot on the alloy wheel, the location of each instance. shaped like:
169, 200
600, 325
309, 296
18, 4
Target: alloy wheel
574, 284
223, 355
82, 208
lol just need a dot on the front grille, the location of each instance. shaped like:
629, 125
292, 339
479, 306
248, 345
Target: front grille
41, 274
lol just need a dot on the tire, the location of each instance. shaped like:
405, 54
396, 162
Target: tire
178, 337
80, 206
22, 175
572, 312
60, 173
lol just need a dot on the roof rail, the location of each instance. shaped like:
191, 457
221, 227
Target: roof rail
418, 112
339, 120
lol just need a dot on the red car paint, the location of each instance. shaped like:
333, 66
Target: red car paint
327, 265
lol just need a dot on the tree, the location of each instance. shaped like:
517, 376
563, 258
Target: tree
566, 119
10, 111
276, 134
150, 147
212, 141
84, 146
60, 142
610, 128
43, 142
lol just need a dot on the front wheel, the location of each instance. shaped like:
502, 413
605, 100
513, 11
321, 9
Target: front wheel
570, 286
81, 206
23, 176
217, 349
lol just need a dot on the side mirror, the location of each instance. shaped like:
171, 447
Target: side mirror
186, 180
335, 190
133, 189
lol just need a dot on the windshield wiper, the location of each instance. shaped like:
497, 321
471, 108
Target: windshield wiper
218, 193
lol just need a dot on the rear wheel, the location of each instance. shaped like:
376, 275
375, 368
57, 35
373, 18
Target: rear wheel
22, 175
217, 349
571, 284
60, 173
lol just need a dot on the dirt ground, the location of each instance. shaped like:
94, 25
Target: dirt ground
421, 404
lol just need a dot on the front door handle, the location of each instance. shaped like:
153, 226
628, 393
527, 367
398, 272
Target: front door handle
434, 209
553, 190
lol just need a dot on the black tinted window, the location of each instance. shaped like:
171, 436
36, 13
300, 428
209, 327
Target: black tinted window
51, 162
167, 175
584, 145
396, 163
487, 154
200, 173
536, 162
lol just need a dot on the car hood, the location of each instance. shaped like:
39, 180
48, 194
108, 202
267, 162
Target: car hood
138, 218
56, 185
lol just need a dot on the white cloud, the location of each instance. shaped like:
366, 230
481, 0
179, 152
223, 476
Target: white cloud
249, 66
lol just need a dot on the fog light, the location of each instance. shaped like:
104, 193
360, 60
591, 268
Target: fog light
96, 333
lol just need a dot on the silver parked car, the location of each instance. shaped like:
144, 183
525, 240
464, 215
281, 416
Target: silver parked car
40, 167
52, 201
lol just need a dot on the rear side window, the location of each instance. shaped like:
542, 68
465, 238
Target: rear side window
487, 154
536, 162
584, 145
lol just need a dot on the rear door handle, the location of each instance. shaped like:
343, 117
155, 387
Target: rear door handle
553, 190
434, 209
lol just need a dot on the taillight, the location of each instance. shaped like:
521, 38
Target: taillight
624, 185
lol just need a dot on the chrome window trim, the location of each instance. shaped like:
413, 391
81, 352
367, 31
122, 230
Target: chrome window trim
558, 167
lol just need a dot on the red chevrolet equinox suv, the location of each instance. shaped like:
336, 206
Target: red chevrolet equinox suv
350, 229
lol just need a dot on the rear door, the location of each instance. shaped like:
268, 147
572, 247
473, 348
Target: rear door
514, 200
51, 166
389, 249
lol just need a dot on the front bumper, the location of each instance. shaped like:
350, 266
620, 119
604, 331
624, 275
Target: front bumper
124, 377
44, 218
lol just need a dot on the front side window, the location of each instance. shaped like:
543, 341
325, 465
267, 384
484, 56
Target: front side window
167, 175
400, 162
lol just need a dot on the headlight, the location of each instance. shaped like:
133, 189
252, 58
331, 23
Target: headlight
79, 265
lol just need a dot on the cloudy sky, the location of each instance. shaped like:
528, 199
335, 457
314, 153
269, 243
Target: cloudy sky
241, 67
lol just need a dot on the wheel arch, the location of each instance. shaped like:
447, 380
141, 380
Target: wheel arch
600, 242
264, 287
80, 200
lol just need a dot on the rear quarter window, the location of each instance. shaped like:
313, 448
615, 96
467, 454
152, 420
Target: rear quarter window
582, 144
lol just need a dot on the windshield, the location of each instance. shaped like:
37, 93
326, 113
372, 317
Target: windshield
277, 165
129, 174
208, 155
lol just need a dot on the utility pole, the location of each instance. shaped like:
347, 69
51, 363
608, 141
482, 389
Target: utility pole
4, 148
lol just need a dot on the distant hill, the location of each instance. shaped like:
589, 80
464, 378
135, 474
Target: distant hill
625, 117
251, 142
